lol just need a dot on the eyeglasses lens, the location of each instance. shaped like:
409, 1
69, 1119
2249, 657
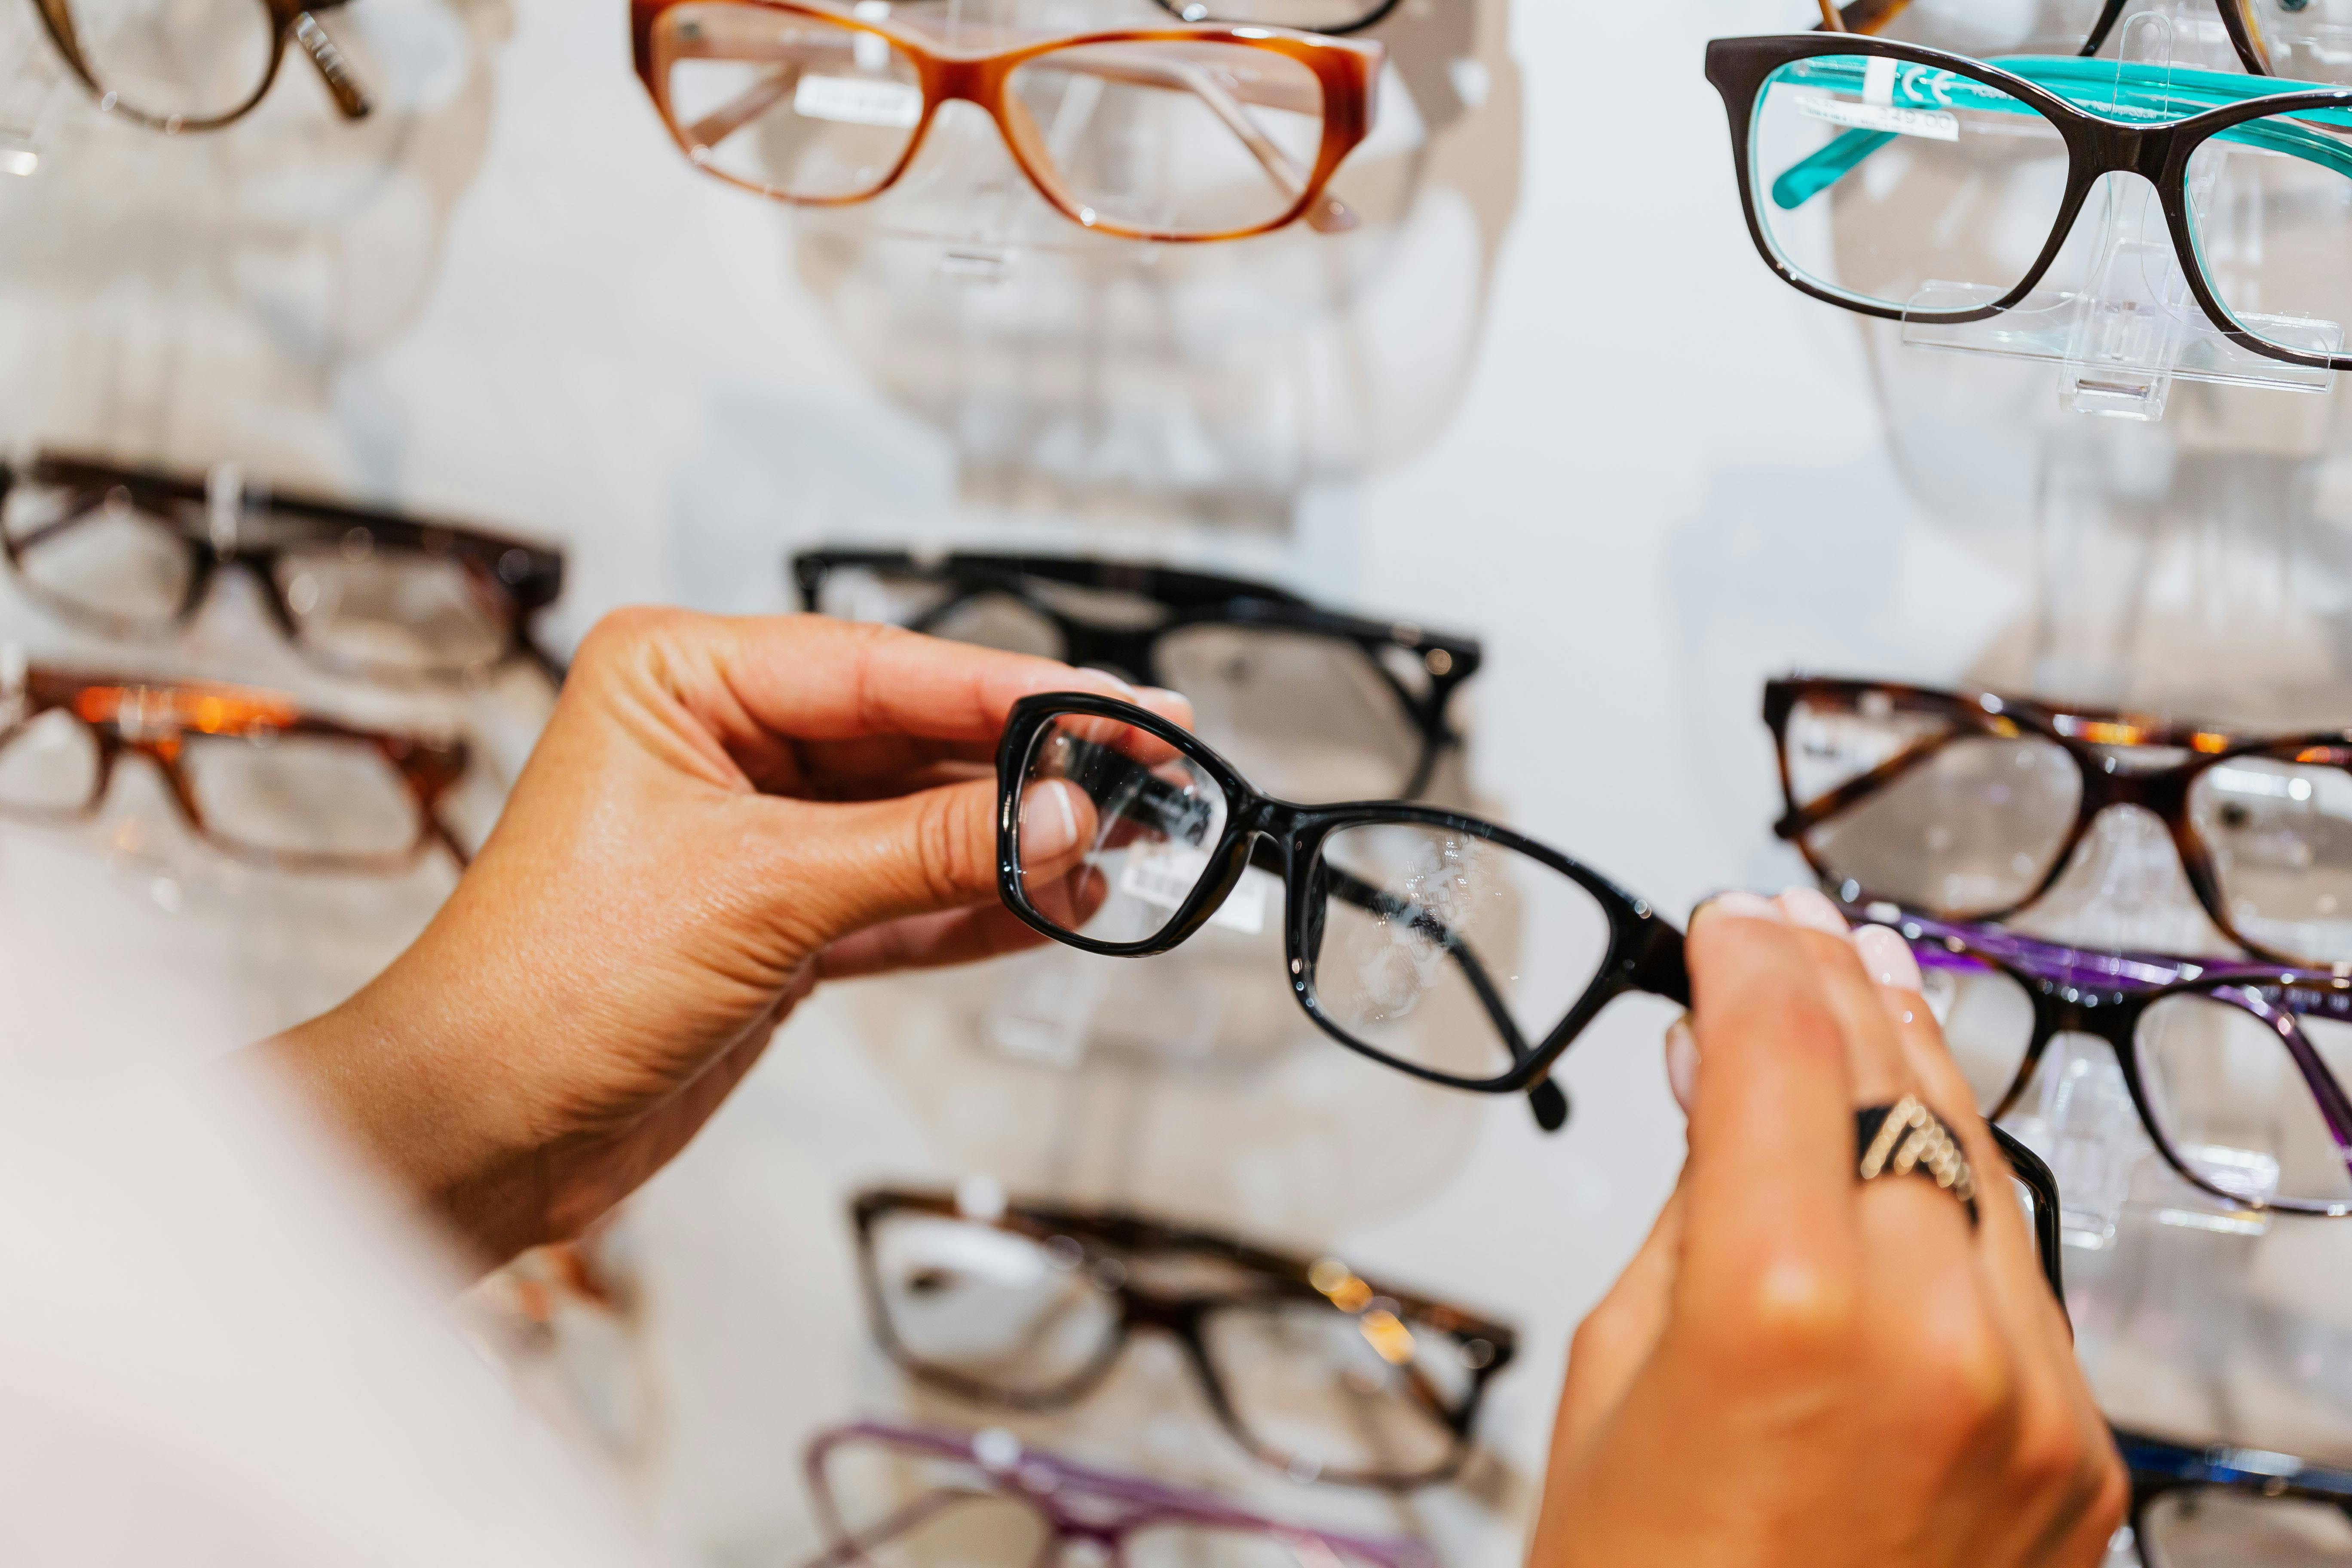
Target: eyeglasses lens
1987, 1020
1873, 177
787, 102
2268, 201
1014, 1314
1964, 824
360, 608
2222, 1527
185, 60
1173, 137
1117, 828
300, 796
1445, 951
48, 765
103, 556
999, 620
1308, 718
2279, 834
1333, 1393
906, 1508
2224, 1088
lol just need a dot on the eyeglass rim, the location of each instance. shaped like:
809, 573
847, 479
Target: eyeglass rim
1348, 70
285, 17
429, 768
1645, 949
2164, 791
1103, 1228
1867, 16
1739, 67
2113, 1013
1371, 20
1192, 599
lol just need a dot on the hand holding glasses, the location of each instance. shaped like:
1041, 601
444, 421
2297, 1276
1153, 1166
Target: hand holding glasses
193, 65
800, 102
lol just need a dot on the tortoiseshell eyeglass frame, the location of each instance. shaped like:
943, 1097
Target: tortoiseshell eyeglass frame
1106, 1239
154, 719
1191, 599
2245, 34
521, 577
290, 21
2084, 734
1348, 70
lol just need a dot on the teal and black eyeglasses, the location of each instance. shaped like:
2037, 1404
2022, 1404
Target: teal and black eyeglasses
1914, 184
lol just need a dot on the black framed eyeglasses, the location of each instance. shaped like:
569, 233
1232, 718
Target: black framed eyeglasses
134, 551
1308, 1365
2193, 1507
1322, 705
1919, 185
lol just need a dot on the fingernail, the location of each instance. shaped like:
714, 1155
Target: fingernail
1887, 957
1682, 1061
1810, 908
1049, 828
1742, 903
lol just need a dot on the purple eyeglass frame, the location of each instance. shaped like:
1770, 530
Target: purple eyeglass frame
2104, 994
1079, 1502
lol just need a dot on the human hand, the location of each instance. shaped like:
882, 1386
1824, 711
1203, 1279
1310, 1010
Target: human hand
722, 813
1800, 1368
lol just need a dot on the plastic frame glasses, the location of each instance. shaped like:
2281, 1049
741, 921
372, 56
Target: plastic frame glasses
289, 22
2158, 148
258, 529
2236, 21
2163, 1471
1105, 1242
2108, 995
1368, 14
165, 721
2087, 736
1190, 599
1346, 70
1072, 1502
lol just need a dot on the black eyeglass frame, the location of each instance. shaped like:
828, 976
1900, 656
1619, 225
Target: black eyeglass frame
2095, 147
529, 575
2160, 1467
1192, 599
1644, 951
1112, 1235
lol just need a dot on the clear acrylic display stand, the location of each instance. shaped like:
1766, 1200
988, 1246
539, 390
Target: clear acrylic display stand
2128, 328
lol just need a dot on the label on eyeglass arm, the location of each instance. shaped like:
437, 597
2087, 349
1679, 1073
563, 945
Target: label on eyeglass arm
855, 100
1934, 124
1165, 877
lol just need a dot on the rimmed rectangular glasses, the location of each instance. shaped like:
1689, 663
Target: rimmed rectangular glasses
805, 101
1916, 184
195, 65
2234, 1068
2221, 1503
251, 773
1310, 1367
1318, 704
1968, 805
133, 551
903, 1496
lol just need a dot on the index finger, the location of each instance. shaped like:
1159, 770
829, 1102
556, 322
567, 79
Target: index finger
1772, 1228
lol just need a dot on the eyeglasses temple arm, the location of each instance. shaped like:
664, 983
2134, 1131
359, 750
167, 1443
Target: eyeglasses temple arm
2049, 1236
334, 67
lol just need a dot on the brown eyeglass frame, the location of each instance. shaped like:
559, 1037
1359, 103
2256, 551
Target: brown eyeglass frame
290, 21
154, 718
2086, 734
1348, 69
1106, 1237
527, 578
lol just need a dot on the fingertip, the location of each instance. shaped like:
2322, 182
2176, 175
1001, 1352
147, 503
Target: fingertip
1682, 1061
1887, 958
1738, 904
1809, 907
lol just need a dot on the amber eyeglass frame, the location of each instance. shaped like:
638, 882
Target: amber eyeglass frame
290, 21
2084, 734
1105, 1239
153, 719
1348, 69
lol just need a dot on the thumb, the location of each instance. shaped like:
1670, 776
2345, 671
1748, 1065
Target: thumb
931, 851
